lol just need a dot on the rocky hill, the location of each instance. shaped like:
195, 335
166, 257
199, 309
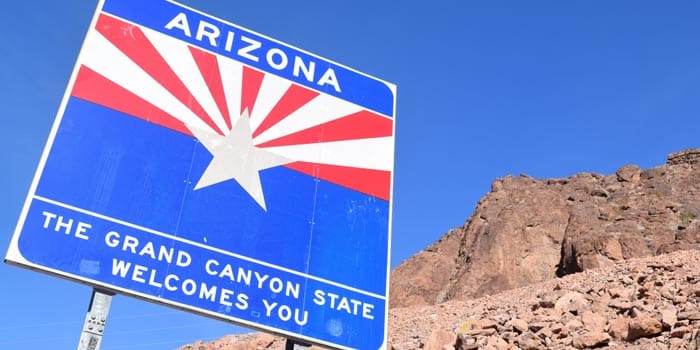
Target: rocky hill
529, 230
583, 262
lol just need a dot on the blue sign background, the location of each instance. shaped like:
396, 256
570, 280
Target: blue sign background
142, 173
131, 183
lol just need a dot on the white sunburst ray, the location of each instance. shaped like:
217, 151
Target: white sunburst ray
322, 109
180, 60
107, 60
232, 81
271, 91
375, 153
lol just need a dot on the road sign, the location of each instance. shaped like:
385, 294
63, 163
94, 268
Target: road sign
201, 165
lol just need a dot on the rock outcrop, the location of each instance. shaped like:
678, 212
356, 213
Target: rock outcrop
529, 230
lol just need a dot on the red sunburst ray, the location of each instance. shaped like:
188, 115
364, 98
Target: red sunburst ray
295, 97
209, 67
360, 125
133, 43
93, 87
373, 182
252, 79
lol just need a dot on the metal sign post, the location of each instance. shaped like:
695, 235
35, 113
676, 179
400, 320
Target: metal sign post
296, 345
95, 320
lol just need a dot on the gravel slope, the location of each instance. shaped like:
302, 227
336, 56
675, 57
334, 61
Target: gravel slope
649, 303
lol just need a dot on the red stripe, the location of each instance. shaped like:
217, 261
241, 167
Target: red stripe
95, 88
252, 79
360, 125
209, 67
375, 183
295, 97
133, 43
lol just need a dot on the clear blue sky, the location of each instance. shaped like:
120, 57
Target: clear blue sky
485, 89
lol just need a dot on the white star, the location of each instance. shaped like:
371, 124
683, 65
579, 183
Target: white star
235, 157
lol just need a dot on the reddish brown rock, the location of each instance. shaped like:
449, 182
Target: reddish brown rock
593, 322
689, 156
465, 342
519, 325
612, 249
680, 332
689, 315
573, 302
529, 342
621, 293
496, 343
439, 339
668, 318
619, 328
591, 339
629, 173
644, 326
694, 316
425, 278
574, 325
404, 346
